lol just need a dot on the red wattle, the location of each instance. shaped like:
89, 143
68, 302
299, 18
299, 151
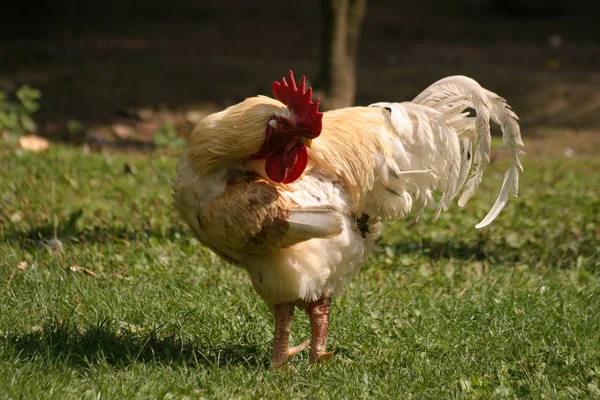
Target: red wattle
300, 164
287, 164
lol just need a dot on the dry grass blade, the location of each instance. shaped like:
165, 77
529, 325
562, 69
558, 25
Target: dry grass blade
77, 268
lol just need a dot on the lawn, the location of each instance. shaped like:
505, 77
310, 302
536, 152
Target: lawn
131, 306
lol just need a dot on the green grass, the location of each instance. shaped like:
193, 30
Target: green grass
440, 310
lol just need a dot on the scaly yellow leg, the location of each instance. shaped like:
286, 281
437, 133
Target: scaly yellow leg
284, 316
318, 313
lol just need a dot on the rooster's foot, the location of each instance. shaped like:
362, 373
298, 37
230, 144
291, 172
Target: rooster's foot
280, 359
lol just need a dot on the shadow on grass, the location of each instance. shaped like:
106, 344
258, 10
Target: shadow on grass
476, 250
70, 234
450, 249
121, 347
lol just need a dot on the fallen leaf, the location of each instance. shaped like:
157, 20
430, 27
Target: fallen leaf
23, 265
53, 244
33, 143
144, 113
123, 131
77, 268
195, 116
16, 217
129, 169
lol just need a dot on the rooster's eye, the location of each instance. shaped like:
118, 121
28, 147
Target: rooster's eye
285, 124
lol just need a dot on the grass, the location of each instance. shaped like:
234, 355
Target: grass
133, 307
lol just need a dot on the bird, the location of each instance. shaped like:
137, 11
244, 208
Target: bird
296, 196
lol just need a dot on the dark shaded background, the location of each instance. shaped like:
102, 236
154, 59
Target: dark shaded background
141, 63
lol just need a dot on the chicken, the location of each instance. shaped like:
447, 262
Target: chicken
296, 197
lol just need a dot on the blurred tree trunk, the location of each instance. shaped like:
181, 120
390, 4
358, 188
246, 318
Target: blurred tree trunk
336, 79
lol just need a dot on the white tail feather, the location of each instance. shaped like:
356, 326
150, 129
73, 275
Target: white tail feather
511, 133
435, 133
450, 93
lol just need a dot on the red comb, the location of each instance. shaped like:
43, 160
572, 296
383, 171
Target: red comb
299, 102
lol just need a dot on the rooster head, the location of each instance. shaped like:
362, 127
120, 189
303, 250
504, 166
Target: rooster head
289, 133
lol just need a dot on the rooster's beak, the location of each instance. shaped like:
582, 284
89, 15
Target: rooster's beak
307, 142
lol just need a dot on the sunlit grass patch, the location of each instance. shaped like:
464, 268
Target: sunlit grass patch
132, 306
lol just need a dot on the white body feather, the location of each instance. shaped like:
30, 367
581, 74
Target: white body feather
304, 270
317, 267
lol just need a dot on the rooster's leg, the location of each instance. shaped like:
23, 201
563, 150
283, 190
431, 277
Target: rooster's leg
318, 313
284, 316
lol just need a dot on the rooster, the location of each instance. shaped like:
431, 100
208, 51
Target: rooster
296, 196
